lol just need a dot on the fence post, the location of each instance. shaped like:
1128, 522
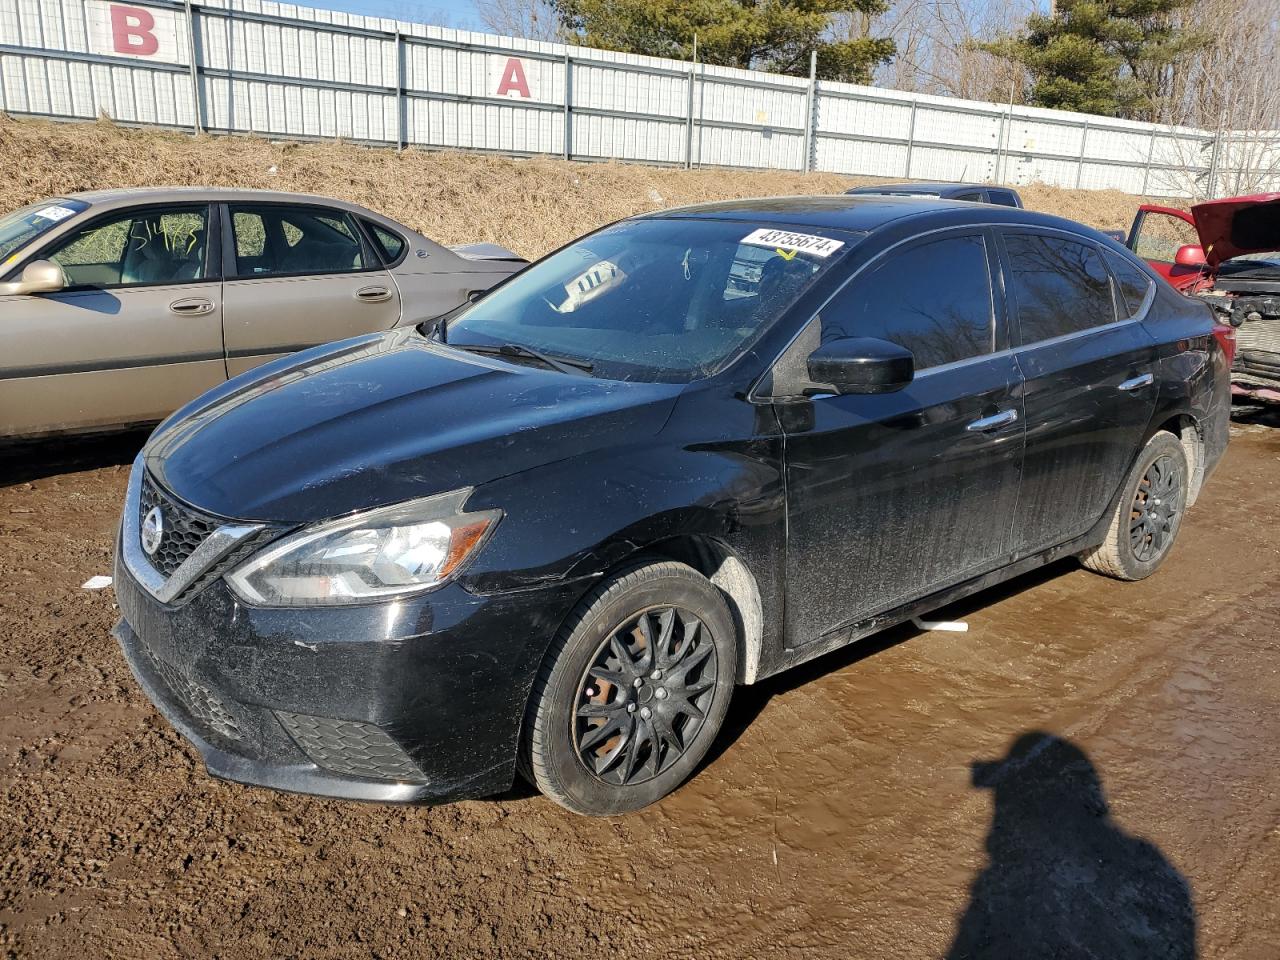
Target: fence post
811, 115
568, 105
911, 137
1146, 168
688, 132
402, 102
1084, 141
192, 47
1211, 188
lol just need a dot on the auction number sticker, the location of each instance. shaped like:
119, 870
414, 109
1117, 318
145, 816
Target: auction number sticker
796, 242
54, 213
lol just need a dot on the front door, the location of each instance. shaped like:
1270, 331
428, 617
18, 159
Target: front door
299, 275
1088, 381
136, 333
893, 497
1157, 235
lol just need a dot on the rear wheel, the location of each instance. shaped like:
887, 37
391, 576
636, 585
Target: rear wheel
1148, 513
633, 691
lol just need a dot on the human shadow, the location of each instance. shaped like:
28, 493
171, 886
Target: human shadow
1063, 880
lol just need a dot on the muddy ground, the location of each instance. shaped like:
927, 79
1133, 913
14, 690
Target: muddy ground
840, 815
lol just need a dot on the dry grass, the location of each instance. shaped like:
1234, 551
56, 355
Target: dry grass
530, 206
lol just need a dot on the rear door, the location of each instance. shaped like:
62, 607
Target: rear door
299, 275
1089, 390
136, 333
1156, 236
895, 496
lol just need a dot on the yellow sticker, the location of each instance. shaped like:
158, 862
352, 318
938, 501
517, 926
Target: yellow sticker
786, 255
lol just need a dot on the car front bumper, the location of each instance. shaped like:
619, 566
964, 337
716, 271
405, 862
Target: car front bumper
419, 700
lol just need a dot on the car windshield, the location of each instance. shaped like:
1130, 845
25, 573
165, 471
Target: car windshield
22, 226
656, 299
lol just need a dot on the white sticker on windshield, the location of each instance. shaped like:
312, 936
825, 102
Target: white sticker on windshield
797, 242
55, 213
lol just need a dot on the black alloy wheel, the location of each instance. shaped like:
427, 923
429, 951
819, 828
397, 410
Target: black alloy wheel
1156, 506
645, 696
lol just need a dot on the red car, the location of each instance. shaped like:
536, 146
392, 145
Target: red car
1227, 253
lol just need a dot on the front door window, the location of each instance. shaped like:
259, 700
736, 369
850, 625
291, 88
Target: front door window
137, 248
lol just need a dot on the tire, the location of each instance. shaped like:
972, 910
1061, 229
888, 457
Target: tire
662, 616
1131, 552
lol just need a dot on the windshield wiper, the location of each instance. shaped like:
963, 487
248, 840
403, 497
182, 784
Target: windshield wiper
563, 364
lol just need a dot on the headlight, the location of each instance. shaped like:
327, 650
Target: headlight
380, 553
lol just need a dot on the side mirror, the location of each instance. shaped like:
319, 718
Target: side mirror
39, 276
1191, 255
862, 365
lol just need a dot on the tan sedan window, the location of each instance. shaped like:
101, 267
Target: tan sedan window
136, 248
294, 241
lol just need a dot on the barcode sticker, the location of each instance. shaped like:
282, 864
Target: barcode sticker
808, 243
55, 213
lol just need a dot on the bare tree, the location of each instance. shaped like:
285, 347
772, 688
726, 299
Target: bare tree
530, 19
938, 52
1226, 90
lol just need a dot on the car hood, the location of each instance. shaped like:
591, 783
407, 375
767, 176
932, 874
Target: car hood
1238, 225
384, 419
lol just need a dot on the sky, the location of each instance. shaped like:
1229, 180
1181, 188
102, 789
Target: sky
460, 14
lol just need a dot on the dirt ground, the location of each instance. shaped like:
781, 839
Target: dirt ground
840, 815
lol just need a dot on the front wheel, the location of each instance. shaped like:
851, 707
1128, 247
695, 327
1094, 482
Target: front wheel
632, 692
1148, 513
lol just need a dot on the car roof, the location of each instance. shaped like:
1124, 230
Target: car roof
131, 195
867, 213
941, 188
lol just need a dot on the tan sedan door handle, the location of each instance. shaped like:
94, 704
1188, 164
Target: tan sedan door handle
373, 294
191, 307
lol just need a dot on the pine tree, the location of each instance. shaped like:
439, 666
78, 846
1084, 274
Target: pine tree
1111, 57
775, 35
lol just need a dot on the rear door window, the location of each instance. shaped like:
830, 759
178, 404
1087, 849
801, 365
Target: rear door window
275, 240
1005, 198
1059, 286
933, 298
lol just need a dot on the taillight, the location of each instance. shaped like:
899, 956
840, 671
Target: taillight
1226, 335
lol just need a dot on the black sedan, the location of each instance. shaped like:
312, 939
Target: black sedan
688, 451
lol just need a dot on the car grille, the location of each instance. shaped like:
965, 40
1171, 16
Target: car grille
184, 528
350, 748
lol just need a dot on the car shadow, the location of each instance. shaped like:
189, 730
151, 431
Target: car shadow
27, 460
749, 702
1062, 878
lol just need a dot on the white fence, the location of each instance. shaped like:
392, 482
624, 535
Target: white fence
281, 70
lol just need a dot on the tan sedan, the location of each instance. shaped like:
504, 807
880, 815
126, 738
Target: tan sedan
118, 307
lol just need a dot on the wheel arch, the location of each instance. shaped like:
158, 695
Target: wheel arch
1188, 431
731, 575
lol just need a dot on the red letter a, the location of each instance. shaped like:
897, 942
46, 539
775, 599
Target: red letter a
513, 79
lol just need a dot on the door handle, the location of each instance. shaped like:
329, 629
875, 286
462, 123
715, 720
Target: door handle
373, 294
993, 422
1136, 383
191, 307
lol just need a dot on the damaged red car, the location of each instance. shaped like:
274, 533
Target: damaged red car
1226, 253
